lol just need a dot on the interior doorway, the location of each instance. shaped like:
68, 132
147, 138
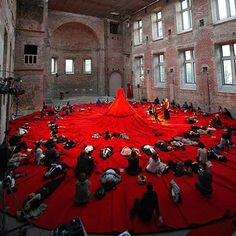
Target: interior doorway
115, 82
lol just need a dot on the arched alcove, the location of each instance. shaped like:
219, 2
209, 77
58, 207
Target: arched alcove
78, 42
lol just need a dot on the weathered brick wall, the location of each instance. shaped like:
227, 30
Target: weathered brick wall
202, 38
78, 37
7, 51
30, 30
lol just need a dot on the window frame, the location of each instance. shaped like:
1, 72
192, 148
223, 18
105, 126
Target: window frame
30, 58
73, 67
191, 62
216, 14
139, 70
228, 10
53, 72
158, 81
180, 16
155, 26
138, 32
232, 59
184, 84
84, 66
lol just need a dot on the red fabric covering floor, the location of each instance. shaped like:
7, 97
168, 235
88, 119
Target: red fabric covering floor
111, 214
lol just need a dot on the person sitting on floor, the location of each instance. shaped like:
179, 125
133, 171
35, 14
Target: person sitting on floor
156, 166
55, 170
110, 178
32, 205
185, 106
82, 192
38, 153
202, 154
227, 113
216, 122
145, 207
85, 164
133, 160
156, 101
204, 183
229, 135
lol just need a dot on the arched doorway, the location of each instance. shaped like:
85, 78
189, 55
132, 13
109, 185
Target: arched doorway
115, 82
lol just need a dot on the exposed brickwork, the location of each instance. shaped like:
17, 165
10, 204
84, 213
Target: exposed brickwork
7, 51
202, 38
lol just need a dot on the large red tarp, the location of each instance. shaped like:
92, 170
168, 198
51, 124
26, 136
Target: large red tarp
111, 214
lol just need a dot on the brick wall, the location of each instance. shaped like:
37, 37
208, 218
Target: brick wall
203, 39
7, 51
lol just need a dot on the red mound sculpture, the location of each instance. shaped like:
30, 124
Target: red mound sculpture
120, 107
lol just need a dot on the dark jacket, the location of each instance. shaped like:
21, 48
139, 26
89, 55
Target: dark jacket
149, 204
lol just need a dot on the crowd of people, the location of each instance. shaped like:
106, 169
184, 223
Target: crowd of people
46, 154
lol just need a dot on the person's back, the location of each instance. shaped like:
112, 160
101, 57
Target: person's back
148, 205
50, 156
204, 184
133, 167
82, 192
153, 164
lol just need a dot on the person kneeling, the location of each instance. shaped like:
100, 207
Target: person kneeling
110, 178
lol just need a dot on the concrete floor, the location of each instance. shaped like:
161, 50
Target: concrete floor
28, 230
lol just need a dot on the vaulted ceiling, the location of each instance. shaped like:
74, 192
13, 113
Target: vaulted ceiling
100, 8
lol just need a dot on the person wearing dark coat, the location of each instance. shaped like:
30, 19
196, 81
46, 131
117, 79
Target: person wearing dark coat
85, 164
226, 112
133, 167
204, 183
51, 156
146, 206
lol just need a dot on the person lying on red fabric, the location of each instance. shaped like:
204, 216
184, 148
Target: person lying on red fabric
164, 146
34, 200
145, 207
16, 144
55, 170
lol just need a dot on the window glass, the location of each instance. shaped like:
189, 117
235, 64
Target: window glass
226, 50
69, 67
188, 55
227, 72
